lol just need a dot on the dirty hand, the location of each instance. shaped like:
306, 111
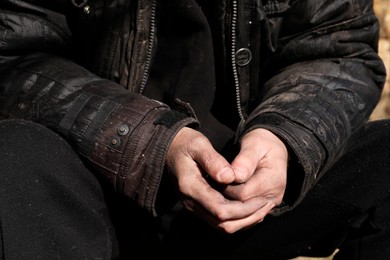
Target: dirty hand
197, 170
261, 172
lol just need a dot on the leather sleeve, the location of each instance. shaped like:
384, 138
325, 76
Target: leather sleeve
123, 136
329, 79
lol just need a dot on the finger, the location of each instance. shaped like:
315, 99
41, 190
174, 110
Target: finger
190, 147
266, 183
215, 207
245, 164
214, 164
232, 226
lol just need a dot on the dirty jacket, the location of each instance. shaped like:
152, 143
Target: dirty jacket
119, 78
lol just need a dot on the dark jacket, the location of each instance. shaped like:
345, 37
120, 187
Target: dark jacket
119, 78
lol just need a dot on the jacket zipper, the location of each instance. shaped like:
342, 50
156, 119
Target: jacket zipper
233, 57
233, 53
149, 52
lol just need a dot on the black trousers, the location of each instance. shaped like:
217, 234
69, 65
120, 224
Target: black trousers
53, 207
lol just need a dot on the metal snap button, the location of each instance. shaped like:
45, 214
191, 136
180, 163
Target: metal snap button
123, 129
115, 142
243, 57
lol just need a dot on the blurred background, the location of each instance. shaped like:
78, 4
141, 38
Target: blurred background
382, 10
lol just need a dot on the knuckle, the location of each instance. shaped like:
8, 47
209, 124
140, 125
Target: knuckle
221, 214
227, 228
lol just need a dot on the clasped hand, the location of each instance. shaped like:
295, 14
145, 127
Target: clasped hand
229, 196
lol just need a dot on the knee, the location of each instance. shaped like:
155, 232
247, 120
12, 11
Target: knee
20, 139
30, 148
33, 155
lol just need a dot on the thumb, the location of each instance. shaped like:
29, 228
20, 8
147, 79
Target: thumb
213, 163
244, 165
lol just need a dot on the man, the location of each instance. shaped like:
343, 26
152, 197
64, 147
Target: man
194, 129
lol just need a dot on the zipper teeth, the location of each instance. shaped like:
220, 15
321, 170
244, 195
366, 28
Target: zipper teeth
233, 56
150, 47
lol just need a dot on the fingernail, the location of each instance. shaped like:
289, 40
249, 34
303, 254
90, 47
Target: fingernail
226, 175
239, 175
